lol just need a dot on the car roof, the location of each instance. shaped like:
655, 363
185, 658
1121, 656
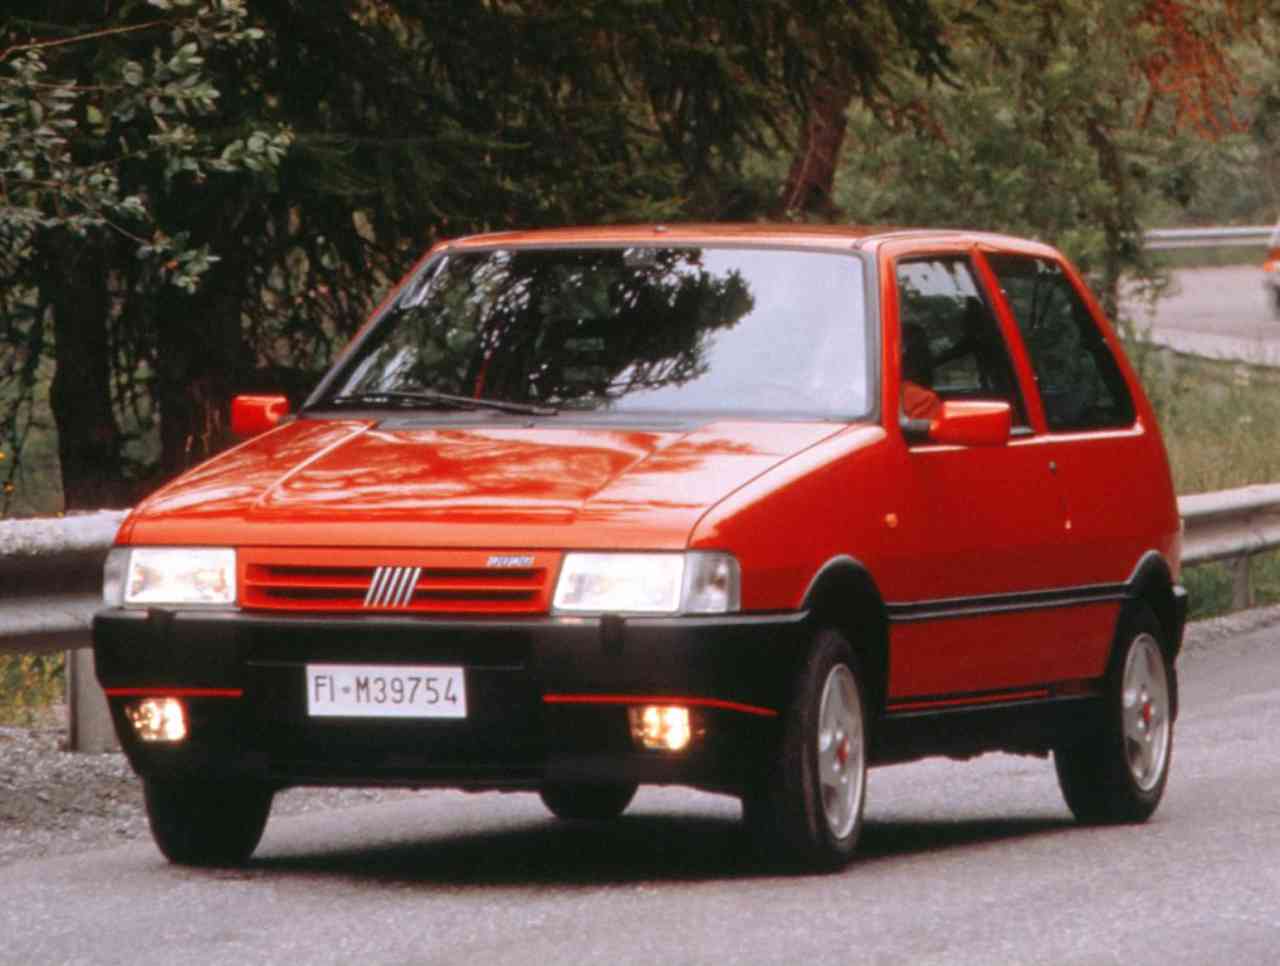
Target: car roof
781, 235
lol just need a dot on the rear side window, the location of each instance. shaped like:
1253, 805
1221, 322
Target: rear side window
1079, 381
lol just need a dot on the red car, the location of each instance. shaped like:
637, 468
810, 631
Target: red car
1271, 271
745, 508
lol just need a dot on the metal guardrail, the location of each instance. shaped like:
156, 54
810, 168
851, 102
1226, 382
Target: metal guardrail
1162, 239
50, 579
1231, 526
50, 585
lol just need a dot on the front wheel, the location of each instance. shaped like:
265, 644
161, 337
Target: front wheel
1119, 773
205, 823
587, 802
807, 812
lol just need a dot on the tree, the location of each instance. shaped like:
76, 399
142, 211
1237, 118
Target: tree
1069, 120
83, 108
203, 198
857, 53
322, 148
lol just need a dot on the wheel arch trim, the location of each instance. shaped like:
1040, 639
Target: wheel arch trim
843, 594
1151, 581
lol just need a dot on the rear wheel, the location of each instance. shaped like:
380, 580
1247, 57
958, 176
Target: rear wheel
207, 823
588, 802
807, 812
1119, 773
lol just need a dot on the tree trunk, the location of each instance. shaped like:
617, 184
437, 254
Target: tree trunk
1118, 218
74, 280
812, 176
200, 360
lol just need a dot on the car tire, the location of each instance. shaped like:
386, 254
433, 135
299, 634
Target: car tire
1118, 774
806, 811
202, 823
587, 802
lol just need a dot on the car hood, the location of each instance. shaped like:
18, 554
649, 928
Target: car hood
394, 484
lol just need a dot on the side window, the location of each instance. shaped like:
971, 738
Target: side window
951, 342
1080, 383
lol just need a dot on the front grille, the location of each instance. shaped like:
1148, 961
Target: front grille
396, 581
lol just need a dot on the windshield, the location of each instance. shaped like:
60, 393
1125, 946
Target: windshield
628, 330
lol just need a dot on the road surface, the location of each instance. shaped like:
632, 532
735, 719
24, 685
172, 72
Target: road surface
1215, 312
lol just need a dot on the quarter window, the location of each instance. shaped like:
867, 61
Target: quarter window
1079, 380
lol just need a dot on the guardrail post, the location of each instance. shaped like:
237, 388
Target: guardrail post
1241, 585
90, 725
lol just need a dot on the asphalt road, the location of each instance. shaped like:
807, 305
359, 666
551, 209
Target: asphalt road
961, 863
1215, 312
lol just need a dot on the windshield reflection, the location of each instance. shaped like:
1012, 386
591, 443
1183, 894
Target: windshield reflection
628, 330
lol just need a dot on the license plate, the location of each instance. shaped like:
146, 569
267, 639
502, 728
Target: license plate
385, 691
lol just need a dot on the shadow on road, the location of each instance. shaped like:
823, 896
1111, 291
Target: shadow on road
634, 848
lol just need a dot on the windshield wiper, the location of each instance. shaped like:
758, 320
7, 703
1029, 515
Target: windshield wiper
436, 400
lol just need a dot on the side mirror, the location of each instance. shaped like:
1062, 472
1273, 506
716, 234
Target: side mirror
962, 423
251, 415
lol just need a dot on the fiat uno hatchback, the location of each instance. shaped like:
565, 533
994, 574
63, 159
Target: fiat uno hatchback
744, 508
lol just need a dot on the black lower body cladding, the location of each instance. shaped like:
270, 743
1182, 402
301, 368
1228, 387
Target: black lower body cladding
546, 699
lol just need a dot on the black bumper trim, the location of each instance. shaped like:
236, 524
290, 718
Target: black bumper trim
546, 696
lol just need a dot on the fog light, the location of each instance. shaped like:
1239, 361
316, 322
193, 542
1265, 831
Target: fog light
660, 727
158, 719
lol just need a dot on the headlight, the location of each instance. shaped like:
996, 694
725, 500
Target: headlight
648, 583
143, 576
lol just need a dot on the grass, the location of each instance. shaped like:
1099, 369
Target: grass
30, 685
1226, 256
1221, 420
1209, 585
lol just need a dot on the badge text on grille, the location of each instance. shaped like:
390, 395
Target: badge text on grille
392, 586
509, 562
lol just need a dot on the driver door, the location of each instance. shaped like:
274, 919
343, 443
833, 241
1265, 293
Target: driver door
986, 523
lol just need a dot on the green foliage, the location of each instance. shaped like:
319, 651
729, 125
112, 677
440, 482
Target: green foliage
105, 118
1054, 129
28, 485
292, 161
1233, 178
29, 685
77, 112
1210, 587
209, 196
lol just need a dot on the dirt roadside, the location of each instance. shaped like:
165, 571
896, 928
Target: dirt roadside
53, 802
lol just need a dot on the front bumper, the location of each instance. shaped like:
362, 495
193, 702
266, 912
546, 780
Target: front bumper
547, 698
